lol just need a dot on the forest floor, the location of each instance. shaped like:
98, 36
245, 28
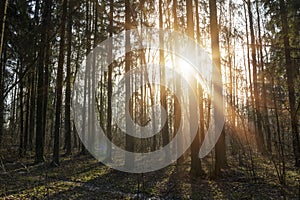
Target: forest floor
83, 177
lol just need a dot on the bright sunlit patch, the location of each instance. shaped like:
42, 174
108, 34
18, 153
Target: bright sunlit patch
185, 69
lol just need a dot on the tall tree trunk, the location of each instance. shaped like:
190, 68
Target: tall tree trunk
46, 76
32, 108
196, 169
214, 31
93, 74
290, 81
177, 109
21, 146
229, 57
27, 116
40, 122
231, 65
163, 97
13, 108
86, 78
1, 98
109, 84
59, 84
68, 85
200, 89
3, 20
129, 146
89, 89
258, 118
264, 100
33, 77
248, 66
1, 101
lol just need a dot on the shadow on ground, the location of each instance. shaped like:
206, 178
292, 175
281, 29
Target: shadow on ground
82, 177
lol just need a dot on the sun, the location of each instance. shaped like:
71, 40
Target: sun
184, 68
202, 73
180, 66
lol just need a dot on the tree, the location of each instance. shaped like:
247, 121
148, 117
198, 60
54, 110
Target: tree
40, 121
177, 109
200, 89
263, 99
86, 79
129, 159
21, 146
3, 20
68, 141
220, 148
196, 169
163, 97
59, 84
290, 82
258, 118
109, 84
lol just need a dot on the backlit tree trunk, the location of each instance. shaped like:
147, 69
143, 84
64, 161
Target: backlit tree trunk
220, 149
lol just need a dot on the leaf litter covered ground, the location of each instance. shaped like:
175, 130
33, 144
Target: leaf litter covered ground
82, 177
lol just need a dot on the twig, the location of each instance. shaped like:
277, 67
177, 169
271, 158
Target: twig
2, 165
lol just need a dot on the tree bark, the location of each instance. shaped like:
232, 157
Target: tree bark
27, 116
200, 89
109, 84
259, 134
129, 146
86, 78
40, 122
59, 85
3, 20
163, 97
264, 100
220, 149
177, 109
68, 141
196, 169
21, 145
290, 81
